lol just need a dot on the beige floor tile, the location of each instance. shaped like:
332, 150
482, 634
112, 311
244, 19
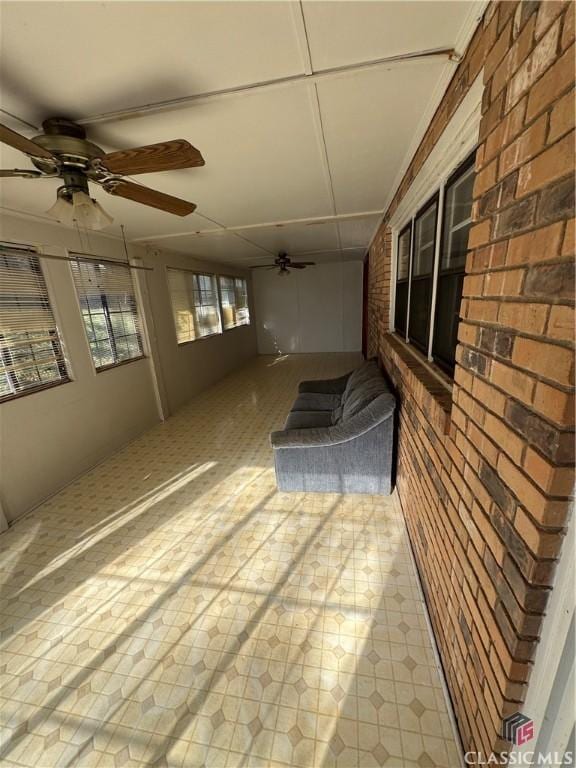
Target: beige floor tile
172, 608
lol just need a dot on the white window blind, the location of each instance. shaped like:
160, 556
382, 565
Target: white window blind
234, 298
31, 356
109, 310
194, 300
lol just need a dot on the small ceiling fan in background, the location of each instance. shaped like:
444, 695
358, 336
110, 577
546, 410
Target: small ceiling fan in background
284, 264
63, 151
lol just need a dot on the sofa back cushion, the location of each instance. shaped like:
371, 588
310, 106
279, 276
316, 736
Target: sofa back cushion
367, 371
363, 395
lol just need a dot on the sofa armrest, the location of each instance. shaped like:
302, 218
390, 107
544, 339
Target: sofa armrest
325, 386
379, 410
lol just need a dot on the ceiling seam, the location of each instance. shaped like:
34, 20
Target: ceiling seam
309, 222
318, 75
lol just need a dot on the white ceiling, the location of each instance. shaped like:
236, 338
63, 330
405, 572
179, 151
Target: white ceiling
304, 165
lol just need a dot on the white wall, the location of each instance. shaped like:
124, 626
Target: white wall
188, 368
50, 437
318, 309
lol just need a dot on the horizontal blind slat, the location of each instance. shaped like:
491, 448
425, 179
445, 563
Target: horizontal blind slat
31, 355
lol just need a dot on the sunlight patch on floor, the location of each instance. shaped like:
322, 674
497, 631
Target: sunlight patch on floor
172, 608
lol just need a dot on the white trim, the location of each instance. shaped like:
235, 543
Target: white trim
457, 141
473, 18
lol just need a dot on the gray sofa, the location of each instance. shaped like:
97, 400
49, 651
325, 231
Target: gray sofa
338, 436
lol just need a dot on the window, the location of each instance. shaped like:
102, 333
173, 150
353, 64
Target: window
234, 300
194, 304
31, 356
455, 227
109, 311
402, 282
421, 277
416, 261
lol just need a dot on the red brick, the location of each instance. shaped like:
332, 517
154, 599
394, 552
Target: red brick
548, 360
538, 62
527, 318
485, 179
507, 282
550, 165
557, 80
561, 117
556, 481
504, 437
568, 245
479, 234
515, 56
568, 28
547, 12
539, 542
555, 404
505, 131
535, 246
525, 147
482, 310
542, 510
512, 381
561, 323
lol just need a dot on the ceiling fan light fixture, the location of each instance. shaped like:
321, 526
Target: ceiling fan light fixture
79, 208
62, 211
88, 212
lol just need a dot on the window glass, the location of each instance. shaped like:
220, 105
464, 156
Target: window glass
109, 311
31, 355
457, 219
422, 275
455, 227
402, 275
234, 301
194, 300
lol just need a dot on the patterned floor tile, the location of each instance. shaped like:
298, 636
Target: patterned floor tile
172, 608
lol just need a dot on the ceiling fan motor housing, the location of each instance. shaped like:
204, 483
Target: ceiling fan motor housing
67, 141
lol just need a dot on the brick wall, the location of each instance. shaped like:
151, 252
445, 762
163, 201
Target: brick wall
484, 472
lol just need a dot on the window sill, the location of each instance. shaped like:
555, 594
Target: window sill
33, 391
240, 325
413, 373
111, 367
200, 338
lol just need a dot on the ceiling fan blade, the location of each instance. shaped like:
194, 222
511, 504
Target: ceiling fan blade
296, 266
164, 156
300, 264
151, 197
16, 173
16, 140
262, 266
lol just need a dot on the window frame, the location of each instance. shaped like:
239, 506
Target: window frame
56, 339
468, 163
216, 290
437, 196
408, 227
107, 312
430, 202
234, 278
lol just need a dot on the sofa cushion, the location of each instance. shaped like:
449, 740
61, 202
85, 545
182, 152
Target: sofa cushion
361, 396
308, 419
367, 371
315, 401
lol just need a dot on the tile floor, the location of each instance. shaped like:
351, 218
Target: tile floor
171, 608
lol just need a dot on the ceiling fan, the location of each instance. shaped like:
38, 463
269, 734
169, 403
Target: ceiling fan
284, 264
63, 152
